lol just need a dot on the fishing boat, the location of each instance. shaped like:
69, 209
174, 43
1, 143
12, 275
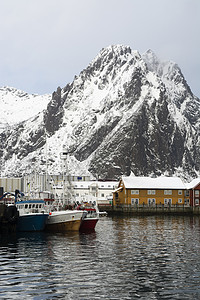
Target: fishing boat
25, 214
90, 218
64, 220
32, 215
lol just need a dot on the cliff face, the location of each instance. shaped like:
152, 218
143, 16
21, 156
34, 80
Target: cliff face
124, 113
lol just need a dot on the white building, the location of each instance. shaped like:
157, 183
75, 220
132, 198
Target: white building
11, 184
70, 188
90, 191
86, 191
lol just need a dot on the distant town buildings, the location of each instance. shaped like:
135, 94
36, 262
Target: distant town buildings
62, 188
129, 192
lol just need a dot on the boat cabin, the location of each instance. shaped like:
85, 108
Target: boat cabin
31, 206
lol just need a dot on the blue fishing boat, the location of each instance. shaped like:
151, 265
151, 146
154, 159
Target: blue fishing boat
29, 215
32, 215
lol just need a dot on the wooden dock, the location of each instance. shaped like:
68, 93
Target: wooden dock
151, 210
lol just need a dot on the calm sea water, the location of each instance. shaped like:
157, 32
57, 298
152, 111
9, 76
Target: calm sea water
125, 258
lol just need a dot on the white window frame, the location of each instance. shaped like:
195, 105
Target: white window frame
180, 200
187, 193
187, 201
167, 192
151, 201
151, 192
179, 192
135, 201
134, 192
167, 201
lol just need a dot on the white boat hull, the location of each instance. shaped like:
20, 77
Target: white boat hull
66, 220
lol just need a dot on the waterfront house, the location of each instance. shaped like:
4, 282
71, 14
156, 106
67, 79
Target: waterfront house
147, 191
193, 192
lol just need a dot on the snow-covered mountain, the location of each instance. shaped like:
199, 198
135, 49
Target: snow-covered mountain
18, 106
125, 112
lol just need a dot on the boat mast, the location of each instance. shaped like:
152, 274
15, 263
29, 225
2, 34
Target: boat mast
63, 156
67, 195
46, 175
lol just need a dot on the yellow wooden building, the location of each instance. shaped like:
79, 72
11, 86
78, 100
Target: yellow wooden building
147, 191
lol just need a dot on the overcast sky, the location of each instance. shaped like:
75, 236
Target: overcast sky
45, 43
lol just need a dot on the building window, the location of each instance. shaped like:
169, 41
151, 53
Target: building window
187, 193
187, 201
167, 201
151, 201
196, 192
134, 192
151, 192
102, 195
134, 201
167, 192
180, 200
196, 201
179, 192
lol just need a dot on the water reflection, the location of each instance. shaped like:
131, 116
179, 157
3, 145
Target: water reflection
125, 258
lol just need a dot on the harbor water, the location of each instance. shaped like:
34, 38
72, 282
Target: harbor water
151, 257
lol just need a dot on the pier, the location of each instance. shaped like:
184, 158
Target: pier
151, 210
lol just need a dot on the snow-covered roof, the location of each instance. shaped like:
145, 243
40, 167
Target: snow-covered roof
193, 183
118, 189
99, 184
162, 182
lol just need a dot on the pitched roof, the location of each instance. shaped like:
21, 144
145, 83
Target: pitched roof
133, 182
118, 189
193, 183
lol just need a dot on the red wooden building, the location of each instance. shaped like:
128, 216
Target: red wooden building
193, 191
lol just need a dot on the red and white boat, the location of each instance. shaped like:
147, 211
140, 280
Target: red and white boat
90, 217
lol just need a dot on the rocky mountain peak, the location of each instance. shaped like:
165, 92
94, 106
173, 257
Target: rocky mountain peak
151, 60
124, 113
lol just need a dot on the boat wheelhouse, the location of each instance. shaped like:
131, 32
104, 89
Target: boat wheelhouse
32, 215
